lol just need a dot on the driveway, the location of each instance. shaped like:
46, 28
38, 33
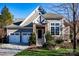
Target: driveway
11, 49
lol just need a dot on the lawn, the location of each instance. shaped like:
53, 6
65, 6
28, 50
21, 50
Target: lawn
44, 52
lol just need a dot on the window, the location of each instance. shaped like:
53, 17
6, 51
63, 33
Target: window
57, 24
55, 28
57, 31
52, 30
17, 33
12, 33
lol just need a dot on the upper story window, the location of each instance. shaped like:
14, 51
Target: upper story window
55, 28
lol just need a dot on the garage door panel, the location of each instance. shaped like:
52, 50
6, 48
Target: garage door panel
25, 37
14, 38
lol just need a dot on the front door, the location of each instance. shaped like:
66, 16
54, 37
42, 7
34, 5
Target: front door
40, 39
39, 34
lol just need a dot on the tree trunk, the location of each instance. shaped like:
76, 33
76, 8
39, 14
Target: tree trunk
74, 28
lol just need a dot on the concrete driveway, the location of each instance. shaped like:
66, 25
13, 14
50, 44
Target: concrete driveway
11, 49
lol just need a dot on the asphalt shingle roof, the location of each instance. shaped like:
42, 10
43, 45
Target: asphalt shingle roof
12, 25
52, 16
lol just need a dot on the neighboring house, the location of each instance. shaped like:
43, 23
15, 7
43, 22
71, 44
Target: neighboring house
39, 22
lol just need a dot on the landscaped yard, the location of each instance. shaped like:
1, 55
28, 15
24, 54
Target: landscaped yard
51, 48
44, 52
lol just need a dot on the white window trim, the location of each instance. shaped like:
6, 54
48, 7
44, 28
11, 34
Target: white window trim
55, 26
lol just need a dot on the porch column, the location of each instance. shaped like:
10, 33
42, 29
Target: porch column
34, 28
46, 28
34, 31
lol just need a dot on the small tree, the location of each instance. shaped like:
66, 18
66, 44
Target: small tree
48, 36
32, 39
49, 41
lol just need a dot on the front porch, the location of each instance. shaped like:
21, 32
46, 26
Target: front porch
40, 31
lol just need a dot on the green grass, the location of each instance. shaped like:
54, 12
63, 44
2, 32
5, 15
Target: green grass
43, 52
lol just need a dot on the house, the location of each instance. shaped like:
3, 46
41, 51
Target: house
39, 22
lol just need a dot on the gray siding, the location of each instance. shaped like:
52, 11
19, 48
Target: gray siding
24, 30
29, 25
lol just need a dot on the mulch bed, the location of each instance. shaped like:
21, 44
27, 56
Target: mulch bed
34, 47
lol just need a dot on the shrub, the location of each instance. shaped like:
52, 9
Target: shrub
49, 41
66, 45
49, 45
45, 45
32, 39
59, 41
48, 36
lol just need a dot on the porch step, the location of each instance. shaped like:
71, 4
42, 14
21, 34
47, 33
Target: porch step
40, 42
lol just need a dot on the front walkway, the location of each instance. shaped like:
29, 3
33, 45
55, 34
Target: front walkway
11, 49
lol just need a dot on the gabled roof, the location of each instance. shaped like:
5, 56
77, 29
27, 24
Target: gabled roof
15, 26
32, 16
16, 23
18, 20
35, 14
12, 25
51, 16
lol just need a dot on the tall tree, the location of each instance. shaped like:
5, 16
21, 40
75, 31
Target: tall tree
75, 16
5, 19
6, 16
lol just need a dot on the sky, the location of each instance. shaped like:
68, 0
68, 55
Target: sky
22, 10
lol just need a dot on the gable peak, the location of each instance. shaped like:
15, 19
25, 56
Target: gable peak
40, 9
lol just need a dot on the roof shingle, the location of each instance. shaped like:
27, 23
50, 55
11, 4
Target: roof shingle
50, 16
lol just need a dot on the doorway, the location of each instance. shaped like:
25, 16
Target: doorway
39, 33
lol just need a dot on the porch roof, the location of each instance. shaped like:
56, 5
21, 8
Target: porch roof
15, 26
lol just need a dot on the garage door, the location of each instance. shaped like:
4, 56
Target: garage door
25, 37
14, 38
21, 38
